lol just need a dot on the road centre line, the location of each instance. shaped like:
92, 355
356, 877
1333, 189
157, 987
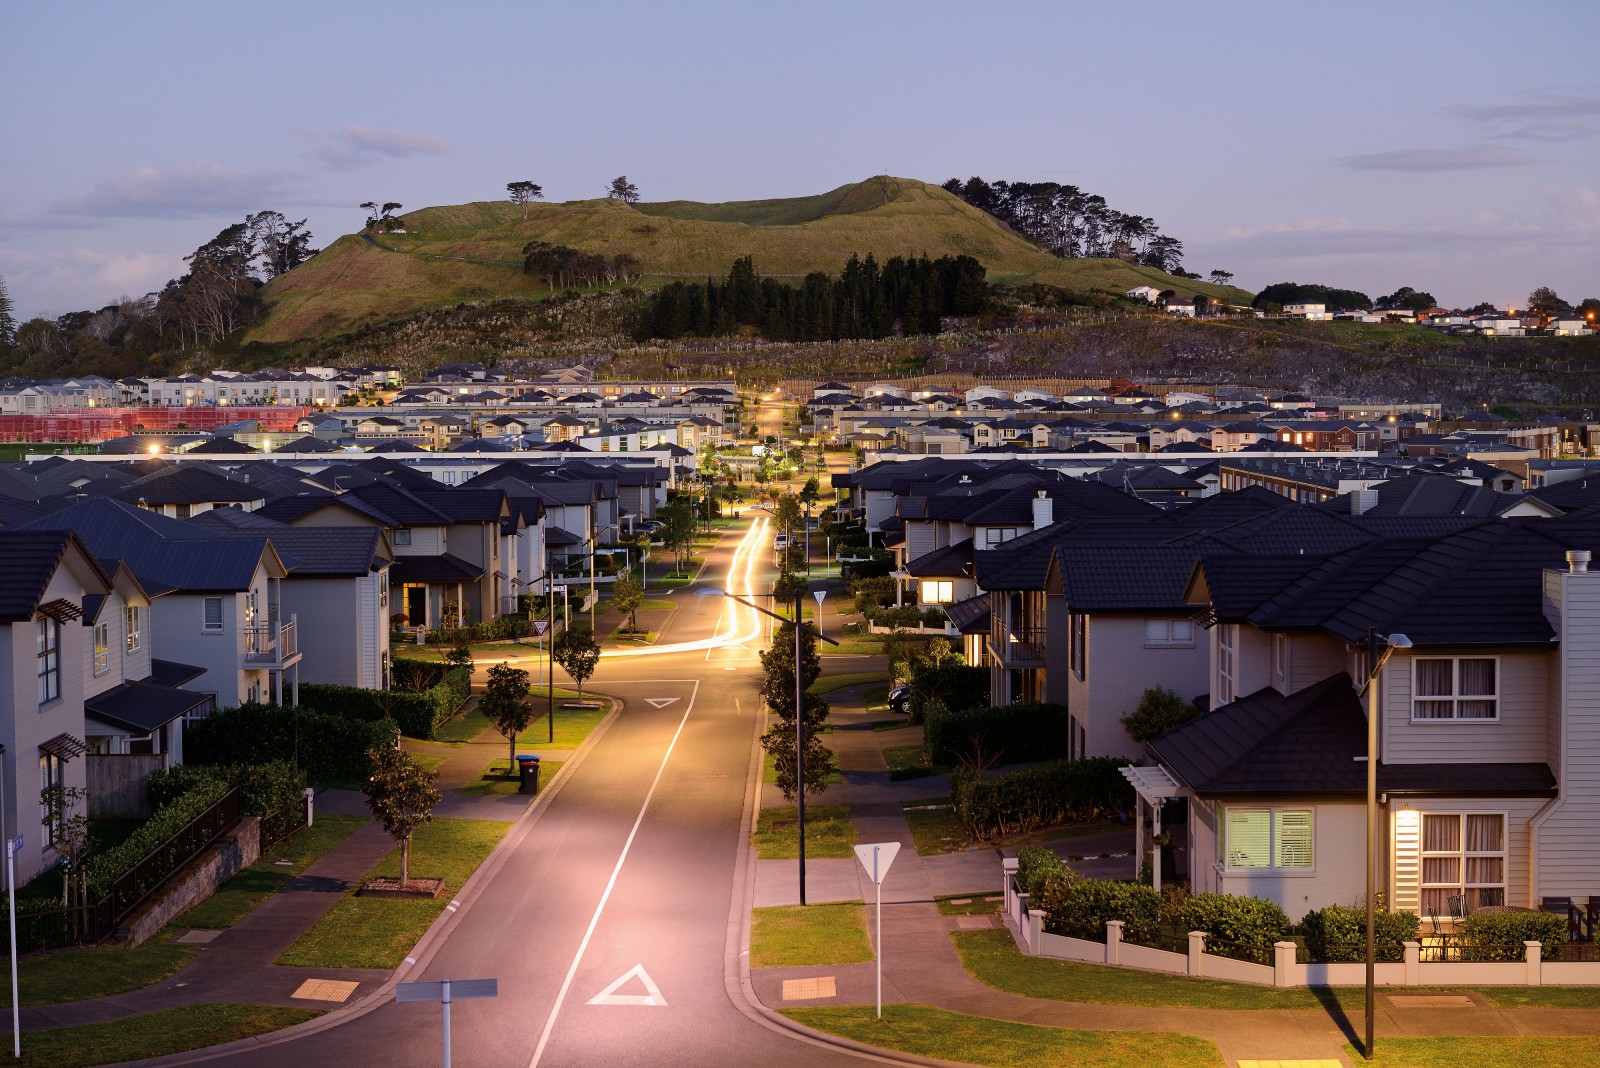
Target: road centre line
594, 921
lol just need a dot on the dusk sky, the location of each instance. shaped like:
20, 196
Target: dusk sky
1453, 147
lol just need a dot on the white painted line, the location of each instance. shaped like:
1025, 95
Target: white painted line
660, 702
594, 921
651, 996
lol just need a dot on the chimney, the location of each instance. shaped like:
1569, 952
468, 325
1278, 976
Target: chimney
1043, 510
1362, 500
1578, 561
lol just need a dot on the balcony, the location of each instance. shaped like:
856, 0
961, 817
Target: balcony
271, 644
1019, 648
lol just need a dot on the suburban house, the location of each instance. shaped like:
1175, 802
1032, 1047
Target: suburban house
1306, 309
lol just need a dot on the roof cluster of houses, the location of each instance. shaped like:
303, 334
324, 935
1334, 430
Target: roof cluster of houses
1267, 613
144, 593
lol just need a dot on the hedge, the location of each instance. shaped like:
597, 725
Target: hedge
104, 868
1079, 908
1339, 933
1008, 734
1036, 865
1065, 791
263, 788
328, 747
1499, 935
418, 713
954, 684
1249, 924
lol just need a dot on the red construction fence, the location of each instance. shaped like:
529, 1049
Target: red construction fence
99, 424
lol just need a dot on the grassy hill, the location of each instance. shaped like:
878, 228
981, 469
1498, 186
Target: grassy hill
472, 252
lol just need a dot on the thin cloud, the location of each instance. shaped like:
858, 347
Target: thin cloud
1471, 158
184, 191
354, 145
58, 278
1539, 116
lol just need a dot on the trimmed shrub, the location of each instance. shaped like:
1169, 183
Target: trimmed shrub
103, 868
1079, 908
263, 788
1499, 935
1339, 933
418, 713
1035, 866
1160, 710
1065, 791
414, 675
1004, 734
954, 684
328, 747
1250, 924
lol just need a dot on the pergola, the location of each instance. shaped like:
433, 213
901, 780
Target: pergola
1153, 785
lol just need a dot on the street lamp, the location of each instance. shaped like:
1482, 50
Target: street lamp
799, 702
1369, 690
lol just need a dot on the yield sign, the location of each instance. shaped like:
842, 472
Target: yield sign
876, 858
659, 702
540, 626
651, 996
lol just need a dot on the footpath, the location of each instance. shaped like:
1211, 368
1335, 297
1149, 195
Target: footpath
921, 965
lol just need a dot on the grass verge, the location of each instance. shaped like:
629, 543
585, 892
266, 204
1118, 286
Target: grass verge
933, 823
572, 726
1482, 1052
366, 932
954, 1036
97, 971
154, 1034
496, 782
970, 904
830, 683
829, 833
769, 770
266, 876
909, 762
791, 936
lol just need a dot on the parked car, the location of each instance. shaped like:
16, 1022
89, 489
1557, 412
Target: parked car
780, 543
898, 696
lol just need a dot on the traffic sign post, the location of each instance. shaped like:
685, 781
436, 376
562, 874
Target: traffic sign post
876, 858
445, 991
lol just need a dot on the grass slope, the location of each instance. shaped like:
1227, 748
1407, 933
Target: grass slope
351, 283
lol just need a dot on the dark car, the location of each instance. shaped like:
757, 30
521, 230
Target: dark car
898, 698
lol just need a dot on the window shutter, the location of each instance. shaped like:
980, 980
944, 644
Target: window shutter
1291, 839
1249, 838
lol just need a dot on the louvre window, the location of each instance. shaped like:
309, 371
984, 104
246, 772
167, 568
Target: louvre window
1270, 838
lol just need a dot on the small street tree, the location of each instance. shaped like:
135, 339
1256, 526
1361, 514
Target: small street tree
66, 822
626, 596
777, 689
401, 794
577, 652
505, 704
524, 193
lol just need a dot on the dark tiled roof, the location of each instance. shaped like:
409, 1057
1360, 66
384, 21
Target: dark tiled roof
140, 708
970, 616
1430, 495
189, 483
952, 560
172, 673
1114, 578
28, 559
442, 568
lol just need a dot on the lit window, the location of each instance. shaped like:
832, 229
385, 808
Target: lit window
1455, 688
936, 591
1463, 856
1269, 838
52, 796
102, 648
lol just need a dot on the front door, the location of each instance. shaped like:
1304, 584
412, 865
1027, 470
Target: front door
417, 605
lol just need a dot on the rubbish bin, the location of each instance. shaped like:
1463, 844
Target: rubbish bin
528, 769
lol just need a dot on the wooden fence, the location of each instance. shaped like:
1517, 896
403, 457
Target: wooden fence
117, 784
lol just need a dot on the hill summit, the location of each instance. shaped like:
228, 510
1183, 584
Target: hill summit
473, 252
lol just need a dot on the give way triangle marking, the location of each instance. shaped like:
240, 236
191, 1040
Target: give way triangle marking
651, 996
659, 702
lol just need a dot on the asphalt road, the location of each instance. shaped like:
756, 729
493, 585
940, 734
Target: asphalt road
627, 882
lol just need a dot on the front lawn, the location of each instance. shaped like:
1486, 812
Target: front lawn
792, 936
239, 895
464, 728
1482, 1052
98, 971
829, 683
954, 1036
495, 782
369, 932
154, 1034
829, 833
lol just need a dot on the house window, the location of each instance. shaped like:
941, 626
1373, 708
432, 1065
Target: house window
1169, 632
201, 711
47, 641
102, 648
1226, 667
1078, 641
52, 796
936, 591
1463, 855
1269, 838
402, 536
993, 536
131, 631
1455, 688
1280, 656
212, 618
383, 588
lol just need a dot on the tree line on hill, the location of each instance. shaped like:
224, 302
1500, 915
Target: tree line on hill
1065, 220
132, 335
1543, 301
865, 300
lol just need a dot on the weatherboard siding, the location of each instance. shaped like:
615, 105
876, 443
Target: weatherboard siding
1312, 658
330, 613
1565, 843
1338, 872
1121, 667
1517, 736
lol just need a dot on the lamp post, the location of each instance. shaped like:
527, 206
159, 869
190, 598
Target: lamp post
799, 697
1369, 690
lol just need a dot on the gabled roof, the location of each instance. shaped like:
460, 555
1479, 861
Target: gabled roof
28, 560
442, 568
189, 483
950, 561
143, 707
1122, 578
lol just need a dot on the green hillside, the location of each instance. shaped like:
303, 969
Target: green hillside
472, 252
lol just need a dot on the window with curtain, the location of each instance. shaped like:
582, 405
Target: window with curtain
52, 795
1455, 688
1463, 856
1269, 838
131, 630
936, 591
1168, 632
102, 648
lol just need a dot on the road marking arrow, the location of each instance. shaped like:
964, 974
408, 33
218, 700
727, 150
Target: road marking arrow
659, 702
652, 995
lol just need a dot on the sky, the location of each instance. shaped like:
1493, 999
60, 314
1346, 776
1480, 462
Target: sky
1451, 147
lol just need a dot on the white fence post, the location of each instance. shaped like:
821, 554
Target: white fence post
1008, 870
1197, 952
1413, 951
1036, 929
1283, 964
1534, 952
1113, 941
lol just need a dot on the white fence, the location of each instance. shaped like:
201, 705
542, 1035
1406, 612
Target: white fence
1027, 926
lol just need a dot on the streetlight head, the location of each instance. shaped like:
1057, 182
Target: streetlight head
1399, 641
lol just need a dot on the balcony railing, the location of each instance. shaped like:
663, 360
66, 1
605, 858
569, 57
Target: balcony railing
1020, 648
270, 643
